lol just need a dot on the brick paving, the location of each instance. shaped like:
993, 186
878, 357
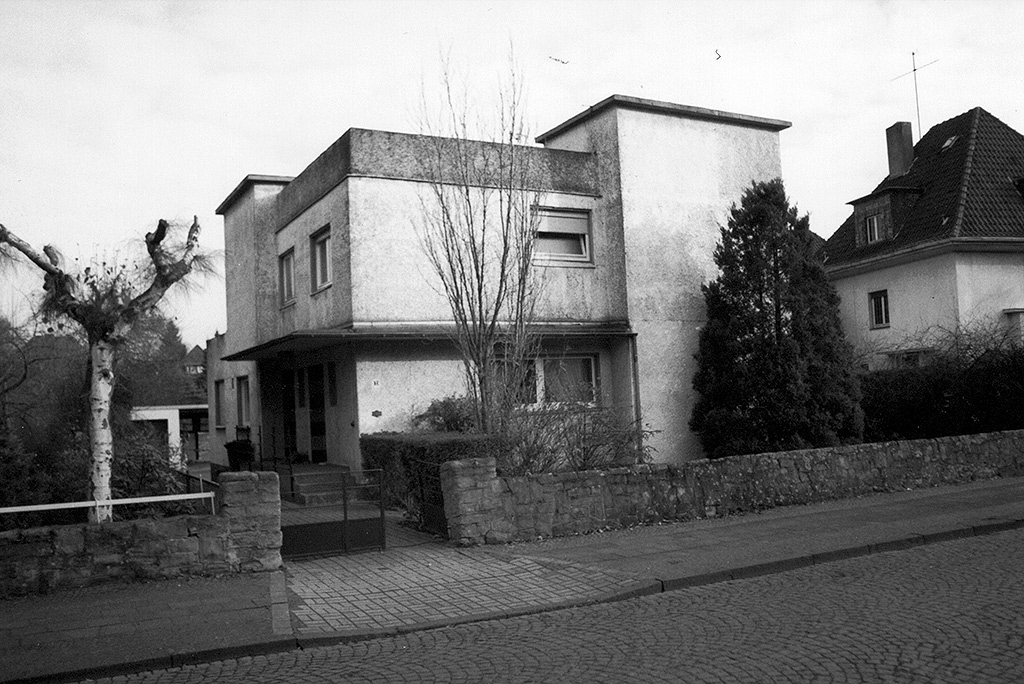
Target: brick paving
420, 583
945, 613
405, 587
151, 621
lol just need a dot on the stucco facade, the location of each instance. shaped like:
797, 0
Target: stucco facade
369, 348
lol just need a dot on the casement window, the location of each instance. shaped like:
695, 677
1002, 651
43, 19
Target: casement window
563, 235
243, 417
878, 308
872, 229
218, 403
286, 277
559, 380
320, 259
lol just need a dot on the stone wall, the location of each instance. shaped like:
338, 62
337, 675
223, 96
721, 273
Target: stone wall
244, 536
484, 508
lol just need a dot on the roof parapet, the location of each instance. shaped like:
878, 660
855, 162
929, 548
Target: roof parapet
669, 108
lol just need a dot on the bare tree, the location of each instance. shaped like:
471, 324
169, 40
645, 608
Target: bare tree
105, 300
479, 223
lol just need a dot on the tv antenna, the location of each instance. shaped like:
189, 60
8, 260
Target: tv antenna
917, 101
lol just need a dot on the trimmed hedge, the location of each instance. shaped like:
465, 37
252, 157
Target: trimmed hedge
948, 396
399, 455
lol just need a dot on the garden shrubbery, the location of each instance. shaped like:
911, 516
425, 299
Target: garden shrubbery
400, 456
961, 389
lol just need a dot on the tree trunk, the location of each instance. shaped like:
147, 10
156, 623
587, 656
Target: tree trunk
100, 433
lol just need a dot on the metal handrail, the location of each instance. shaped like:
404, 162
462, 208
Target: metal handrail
114, 502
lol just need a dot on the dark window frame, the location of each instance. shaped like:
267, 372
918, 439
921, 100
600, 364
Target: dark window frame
286, 285
878, 309
320, 274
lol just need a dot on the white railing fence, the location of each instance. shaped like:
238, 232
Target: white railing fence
36, 508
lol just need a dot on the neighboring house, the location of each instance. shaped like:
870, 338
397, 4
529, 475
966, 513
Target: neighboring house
184, 426
195, 362
938, 245
336, 326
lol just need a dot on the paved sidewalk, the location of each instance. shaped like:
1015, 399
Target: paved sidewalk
421, 583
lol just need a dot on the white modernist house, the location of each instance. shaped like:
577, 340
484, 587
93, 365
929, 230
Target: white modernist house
183, 426
938, 245
335, 323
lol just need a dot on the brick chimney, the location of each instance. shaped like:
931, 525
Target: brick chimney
900, 142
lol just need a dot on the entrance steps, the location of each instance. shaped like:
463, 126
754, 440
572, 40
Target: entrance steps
314, 484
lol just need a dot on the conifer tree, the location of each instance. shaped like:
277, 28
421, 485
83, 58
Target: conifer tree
774, 370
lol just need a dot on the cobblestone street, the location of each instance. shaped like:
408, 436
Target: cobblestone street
950, 612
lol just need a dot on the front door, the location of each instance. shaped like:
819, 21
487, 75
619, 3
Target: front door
288, 413
317, 414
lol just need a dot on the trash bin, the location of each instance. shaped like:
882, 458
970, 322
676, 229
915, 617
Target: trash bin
240, 454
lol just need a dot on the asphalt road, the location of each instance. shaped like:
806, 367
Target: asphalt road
950, 612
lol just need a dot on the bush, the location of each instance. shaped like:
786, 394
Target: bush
570, 438
962, 390
450, 414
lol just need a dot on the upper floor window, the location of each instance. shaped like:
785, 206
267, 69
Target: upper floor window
872, 229
562, 235
286, 276
879, 308
320, 259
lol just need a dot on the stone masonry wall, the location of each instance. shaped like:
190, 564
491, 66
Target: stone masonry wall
244, 536
484, 508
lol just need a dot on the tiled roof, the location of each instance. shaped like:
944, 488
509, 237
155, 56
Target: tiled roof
964, 171
195, 357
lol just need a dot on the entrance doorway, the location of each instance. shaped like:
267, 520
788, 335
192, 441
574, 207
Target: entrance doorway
317, 415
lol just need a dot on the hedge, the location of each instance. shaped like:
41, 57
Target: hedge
399, 455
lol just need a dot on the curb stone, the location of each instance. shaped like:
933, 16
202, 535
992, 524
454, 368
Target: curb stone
645, 587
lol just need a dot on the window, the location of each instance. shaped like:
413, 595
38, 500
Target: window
871, 229
218, 403
568, 380
879, 308
320, 259
559, 380
286, 276
562, 235
242, 416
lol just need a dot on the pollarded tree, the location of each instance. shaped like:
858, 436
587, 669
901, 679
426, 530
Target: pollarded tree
106, 300
774, 370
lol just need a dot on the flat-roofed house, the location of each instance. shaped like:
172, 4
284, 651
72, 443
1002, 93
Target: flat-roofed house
336, 326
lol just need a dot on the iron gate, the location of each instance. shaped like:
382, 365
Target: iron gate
358, 527
426, 479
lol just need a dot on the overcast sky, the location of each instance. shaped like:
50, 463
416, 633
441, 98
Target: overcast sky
115, 114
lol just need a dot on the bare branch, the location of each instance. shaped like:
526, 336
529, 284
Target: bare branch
45, 264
